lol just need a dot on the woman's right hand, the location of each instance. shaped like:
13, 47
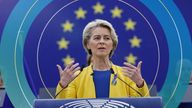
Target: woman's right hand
68, 74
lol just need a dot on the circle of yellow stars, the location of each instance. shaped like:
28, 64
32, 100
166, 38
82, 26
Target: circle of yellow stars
98, 8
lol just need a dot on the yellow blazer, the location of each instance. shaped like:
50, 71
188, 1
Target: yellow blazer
83, 86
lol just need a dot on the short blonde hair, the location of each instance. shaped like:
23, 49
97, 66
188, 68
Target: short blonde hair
87, 32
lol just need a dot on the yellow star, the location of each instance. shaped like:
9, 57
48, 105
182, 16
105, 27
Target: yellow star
67, 60
63, 44
131, 59
116, 12
98, 8
135, 42
80, 13
130, 24
67, 26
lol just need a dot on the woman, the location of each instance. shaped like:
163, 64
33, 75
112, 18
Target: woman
101, 79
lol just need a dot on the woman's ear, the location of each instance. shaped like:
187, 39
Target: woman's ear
89, 49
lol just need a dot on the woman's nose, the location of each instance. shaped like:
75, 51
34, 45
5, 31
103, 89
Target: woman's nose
101, 40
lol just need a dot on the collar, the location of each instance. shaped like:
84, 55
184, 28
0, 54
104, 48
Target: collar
89, 69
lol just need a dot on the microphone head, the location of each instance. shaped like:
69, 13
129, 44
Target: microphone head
82, 67
112, 71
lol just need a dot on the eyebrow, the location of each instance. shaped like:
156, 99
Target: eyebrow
107, 36
104, 35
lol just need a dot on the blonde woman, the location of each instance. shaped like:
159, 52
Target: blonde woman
102, 78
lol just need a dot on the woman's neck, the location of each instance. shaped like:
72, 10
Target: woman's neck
101, 64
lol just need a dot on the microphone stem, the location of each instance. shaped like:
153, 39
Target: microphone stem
130, 87
58, 93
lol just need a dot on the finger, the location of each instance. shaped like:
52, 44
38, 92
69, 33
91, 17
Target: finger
128, 69
139, 65
70, 64
60, 69
74, 66
76, 71
128, 74
125, 71
129, 65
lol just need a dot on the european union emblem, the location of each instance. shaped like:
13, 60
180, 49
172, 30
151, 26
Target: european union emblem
57, 38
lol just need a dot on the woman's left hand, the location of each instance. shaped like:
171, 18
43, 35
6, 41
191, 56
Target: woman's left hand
134, 73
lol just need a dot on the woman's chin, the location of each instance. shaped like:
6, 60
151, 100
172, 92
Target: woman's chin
102, 55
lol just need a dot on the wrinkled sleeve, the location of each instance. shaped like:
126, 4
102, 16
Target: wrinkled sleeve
68, 92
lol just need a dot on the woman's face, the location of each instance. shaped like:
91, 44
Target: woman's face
100, 42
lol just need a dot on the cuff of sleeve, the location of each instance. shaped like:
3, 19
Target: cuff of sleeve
62, 86
141, 84
144, 89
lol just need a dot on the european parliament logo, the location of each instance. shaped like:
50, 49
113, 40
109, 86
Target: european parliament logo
97, 103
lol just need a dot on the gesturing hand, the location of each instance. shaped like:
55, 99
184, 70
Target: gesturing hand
134, 73
68, 74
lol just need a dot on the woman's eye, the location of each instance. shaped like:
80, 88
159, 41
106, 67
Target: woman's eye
107, 38
96, 38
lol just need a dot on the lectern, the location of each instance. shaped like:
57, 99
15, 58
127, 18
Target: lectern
148, 102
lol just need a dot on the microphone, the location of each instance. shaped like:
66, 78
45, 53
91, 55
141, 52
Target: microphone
114, 81
59, 92
81, 69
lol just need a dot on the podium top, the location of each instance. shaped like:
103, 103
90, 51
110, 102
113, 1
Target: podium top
144, 102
